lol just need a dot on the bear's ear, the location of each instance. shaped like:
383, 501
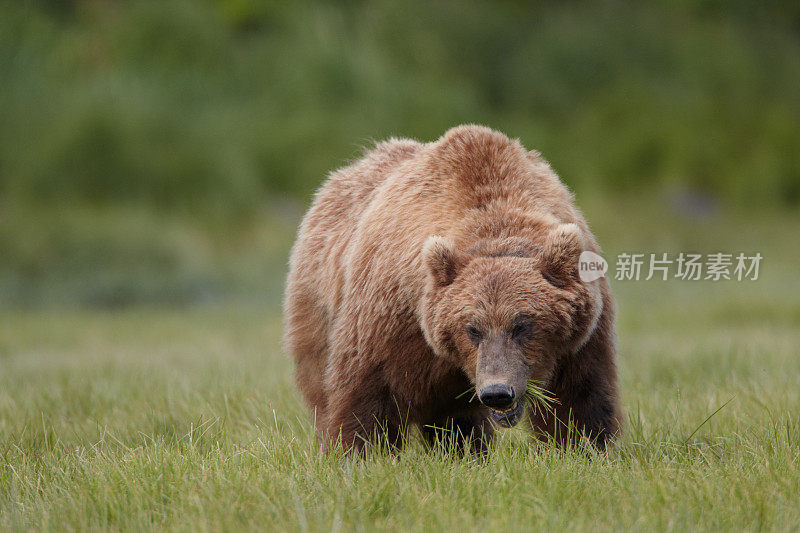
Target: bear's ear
560, 255
442, 260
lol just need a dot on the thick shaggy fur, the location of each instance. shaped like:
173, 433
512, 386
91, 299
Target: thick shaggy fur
412, 243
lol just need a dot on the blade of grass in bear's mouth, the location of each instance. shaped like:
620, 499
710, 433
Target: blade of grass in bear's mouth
535, 397
539, 398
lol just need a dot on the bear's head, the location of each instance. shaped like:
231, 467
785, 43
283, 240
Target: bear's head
505, 311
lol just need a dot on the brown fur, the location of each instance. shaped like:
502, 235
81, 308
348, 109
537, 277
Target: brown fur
411, 244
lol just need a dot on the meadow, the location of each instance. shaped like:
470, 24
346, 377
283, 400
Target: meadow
186, 418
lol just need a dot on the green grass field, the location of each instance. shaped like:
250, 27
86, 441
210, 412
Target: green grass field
187, 419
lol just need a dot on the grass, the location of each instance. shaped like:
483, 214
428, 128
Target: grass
187, 419
538, 398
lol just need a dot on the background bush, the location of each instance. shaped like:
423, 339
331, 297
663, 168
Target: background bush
229, 113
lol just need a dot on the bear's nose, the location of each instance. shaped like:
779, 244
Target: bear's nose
497, 396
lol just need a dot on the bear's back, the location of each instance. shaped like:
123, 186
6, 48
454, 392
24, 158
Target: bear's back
316, 264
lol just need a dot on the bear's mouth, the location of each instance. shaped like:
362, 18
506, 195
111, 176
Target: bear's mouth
508, 418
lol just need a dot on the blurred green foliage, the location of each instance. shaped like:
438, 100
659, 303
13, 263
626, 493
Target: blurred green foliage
215, 104
208, 111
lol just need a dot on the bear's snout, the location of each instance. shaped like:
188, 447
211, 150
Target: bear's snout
498, 396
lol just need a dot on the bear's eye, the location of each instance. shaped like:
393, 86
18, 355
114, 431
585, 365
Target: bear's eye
474, 334
521, 329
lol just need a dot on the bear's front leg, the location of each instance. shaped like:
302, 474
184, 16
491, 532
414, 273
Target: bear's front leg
361, 412
585, 385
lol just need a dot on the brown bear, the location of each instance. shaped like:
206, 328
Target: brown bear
430, 283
